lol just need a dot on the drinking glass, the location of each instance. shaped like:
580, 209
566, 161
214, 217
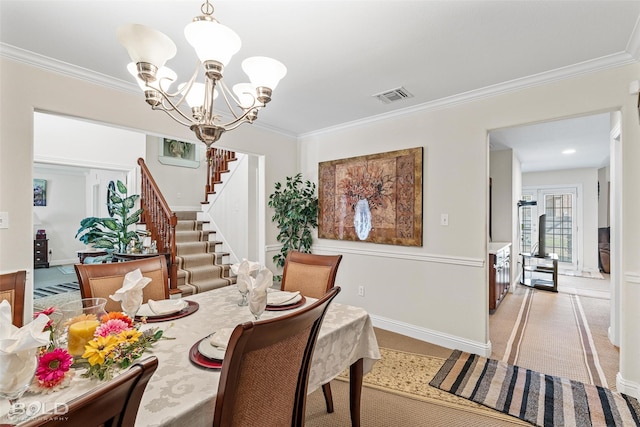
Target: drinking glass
84, 328
131, 303
243, 289
257, 302
18, 370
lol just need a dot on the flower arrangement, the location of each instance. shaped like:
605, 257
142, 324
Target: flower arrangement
54, 364
116, 343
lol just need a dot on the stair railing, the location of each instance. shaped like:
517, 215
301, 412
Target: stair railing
217, 163
160, 221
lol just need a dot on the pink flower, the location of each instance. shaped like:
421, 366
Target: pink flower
47, 312
111, 327
52, 367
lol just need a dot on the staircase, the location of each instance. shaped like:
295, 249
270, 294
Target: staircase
196, 263
201, 267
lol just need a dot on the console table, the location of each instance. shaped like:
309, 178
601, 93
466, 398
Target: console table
540, 272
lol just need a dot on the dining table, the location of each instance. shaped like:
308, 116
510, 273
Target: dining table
182, 392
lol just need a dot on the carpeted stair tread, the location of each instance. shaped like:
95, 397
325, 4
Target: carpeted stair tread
200, 265
190, 248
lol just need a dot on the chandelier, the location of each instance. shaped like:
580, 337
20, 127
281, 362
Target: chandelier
214, 44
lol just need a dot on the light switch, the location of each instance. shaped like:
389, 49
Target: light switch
4, 219
444, 219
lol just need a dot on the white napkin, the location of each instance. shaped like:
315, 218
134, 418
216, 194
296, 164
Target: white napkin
167, 306
245, 266
17, 348
221, 338
130, 294
258, 291
243, 271
283, 297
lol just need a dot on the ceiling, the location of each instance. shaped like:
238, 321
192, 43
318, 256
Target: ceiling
341, 53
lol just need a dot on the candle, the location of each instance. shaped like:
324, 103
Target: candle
79, 334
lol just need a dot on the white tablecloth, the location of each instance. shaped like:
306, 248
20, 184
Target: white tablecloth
182, 394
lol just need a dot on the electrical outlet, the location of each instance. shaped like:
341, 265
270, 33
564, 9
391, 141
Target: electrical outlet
361, 291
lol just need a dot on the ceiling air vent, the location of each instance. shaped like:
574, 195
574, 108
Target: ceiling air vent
393, 95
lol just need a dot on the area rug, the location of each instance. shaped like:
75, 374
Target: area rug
66, 269
542, 400
60, 288
40, 304
568, 352
408, 375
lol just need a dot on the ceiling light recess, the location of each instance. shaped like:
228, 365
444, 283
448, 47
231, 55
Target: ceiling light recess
214, 45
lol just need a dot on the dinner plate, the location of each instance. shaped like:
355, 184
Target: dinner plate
288, 306
198, 359
210, 351
190, 309
146, 311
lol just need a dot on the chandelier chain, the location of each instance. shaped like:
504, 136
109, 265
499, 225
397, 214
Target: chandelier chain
207, 8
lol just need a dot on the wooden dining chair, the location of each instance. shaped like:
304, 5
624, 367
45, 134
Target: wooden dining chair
265, 371
12, 289
312, 275
113, 403
102, 280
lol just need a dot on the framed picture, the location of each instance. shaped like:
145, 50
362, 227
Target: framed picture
179, 153
375, 198
39, 192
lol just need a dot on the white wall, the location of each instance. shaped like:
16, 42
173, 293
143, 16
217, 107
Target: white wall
587, 207
62, 215
182, 187
60, 94
501, 173
439, 291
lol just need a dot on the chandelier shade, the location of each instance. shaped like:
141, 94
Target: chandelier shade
212, 41
214, 45
146, 45
263, 71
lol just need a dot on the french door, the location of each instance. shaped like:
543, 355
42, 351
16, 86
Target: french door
561, 233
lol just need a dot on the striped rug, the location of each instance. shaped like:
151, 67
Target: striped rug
540, 399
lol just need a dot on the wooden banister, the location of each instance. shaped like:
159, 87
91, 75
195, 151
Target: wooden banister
217, 163
160, 221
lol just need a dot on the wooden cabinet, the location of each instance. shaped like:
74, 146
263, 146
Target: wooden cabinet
499, 273
41, 253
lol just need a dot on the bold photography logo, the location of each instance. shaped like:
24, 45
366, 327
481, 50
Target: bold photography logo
35, 408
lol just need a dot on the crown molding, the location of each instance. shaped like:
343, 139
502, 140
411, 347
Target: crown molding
64, 68
633, 46
70, 70
603, 63
611, 61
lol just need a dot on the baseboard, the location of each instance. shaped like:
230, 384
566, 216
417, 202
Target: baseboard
434, 337
627, 387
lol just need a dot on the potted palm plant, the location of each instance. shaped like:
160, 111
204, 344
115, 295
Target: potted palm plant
295, 207
112, 233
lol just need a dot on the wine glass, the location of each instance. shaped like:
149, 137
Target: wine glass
257, 302
243, 288
131, 303
18, 371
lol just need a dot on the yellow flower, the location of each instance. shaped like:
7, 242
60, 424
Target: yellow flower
98, 348
129, 336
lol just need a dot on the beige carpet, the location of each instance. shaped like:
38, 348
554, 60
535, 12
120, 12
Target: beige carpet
560, 334
408, 374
